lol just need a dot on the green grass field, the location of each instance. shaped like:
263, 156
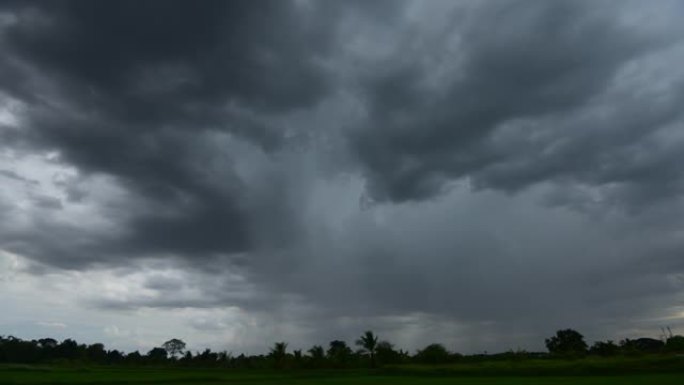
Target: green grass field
141, 376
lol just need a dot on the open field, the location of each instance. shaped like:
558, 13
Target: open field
589, 366
46, 375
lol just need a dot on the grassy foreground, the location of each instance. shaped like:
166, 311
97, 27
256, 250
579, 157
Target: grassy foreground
503, 373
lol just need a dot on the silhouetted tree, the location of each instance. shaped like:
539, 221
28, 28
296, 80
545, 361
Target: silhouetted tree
96, 353
317, 354
607, 348
433, 354
47, 343
386, 354
207, 357
368, 341
675, 344
317, 351
641, 346
224, 357
134, 357
298, 359
68, 349
14, 349
567, 342
157, 355
114, 357
187, 358
279, 354
174, 347
339, 353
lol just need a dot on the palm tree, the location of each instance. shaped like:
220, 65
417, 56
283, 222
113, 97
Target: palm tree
369, 342
317, 355
316, 352
278, 353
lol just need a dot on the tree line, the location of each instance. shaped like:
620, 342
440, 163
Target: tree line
367, 351
570, 343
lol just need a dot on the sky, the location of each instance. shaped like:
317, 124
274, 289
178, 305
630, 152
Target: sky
475, 173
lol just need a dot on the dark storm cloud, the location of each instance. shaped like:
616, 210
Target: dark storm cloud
133, 89
531, 68
240, 137
143, 57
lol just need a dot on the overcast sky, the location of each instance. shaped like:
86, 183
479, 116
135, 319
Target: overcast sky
476, 173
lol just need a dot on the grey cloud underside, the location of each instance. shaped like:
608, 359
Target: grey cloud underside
14, 176
507, 145
544, 73
139, 90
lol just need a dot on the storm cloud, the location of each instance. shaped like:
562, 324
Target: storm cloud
422, 168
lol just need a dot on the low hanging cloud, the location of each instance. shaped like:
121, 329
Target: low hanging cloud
424, 168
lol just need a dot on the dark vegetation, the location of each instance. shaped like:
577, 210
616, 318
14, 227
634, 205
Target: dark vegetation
567, 353
60, 375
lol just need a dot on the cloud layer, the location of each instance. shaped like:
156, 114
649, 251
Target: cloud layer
423, 168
